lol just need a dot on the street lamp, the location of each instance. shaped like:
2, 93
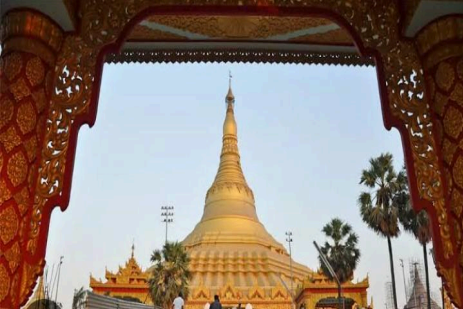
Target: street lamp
289, 239
333, 274
168, 214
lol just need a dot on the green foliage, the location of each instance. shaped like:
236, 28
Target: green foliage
388, 196
170, 274
342, 253
78, 301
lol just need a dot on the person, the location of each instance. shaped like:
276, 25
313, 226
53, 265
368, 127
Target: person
178, 302
216, 304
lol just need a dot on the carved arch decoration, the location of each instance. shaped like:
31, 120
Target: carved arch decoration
103, 26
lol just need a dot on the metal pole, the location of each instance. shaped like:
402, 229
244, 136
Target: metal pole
333, 274
403, 274
289, 239
59, 274
168, 215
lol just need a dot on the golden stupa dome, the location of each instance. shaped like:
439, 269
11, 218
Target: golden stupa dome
231, 252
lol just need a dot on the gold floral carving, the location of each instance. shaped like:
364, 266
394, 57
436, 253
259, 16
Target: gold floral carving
444, 76
22, 199
449, 149
13, 64
6, 113
31, 148
4, 282
40, 100
5, 193
10, 139
13, 256
457, 94
26, 117
458, 172
457, 202
19, 89
35, 71
71, 97
17, 169
453, 122
8, 224
440, 101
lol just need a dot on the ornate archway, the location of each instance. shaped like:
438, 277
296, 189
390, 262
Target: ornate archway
50, 82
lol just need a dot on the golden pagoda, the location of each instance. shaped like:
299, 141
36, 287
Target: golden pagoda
232, 254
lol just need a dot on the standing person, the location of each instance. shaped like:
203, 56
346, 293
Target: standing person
178, 302
216, 304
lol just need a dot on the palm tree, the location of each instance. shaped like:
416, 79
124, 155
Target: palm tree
419, 225
170, 274
380, 206
343, 254
78, 299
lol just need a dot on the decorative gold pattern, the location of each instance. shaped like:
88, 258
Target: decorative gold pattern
26, 117
13, 64
10, 139
31, 148
20, 133
40, 100
35, 71
5, 193
8, 224
444, 76
22, 199
4, 282
228, 55
453, 122
17, 169
6, 113
20, 90
13, 256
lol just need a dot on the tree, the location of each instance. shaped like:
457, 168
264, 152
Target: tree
342, 254
78, 301
170, 274
419, 226
380, 207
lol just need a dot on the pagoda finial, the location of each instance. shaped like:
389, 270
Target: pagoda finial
230, 98
133, 247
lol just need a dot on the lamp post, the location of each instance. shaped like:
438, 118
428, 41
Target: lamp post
289, 239
403, 274
168, 214
59, 274
333, 274
442, 280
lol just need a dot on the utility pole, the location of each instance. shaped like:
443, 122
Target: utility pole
168, 215
59, 274
289, 239
333, 274
403, 274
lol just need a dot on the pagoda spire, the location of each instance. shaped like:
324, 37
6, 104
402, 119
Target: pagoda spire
230, 171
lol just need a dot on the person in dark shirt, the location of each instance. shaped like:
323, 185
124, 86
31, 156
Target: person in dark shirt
216, 304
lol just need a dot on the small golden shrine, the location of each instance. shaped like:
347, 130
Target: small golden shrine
129, 281
320, 292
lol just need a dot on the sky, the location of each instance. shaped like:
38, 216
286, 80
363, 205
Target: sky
305, 133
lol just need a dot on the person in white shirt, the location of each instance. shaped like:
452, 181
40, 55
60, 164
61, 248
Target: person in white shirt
178, 302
